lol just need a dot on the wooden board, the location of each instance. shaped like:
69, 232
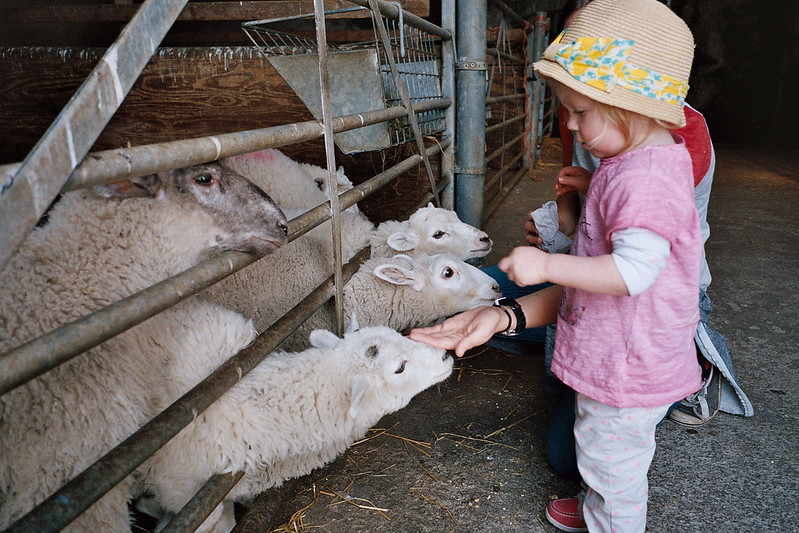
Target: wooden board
182, 93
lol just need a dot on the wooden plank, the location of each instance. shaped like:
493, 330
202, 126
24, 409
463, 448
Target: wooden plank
183, 93
194, 11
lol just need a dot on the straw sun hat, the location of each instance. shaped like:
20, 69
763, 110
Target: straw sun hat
632, 54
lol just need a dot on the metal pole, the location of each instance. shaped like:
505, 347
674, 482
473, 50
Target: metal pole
125, 163
471, 89
448, 55
392, 11
25, 196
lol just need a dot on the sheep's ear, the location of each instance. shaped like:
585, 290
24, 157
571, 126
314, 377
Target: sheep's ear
403, 241
430, 204
397, 275
354, 325
322, 338
360, 388
141, 187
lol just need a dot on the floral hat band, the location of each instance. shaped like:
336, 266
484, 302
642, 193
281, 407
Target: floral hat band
603, 63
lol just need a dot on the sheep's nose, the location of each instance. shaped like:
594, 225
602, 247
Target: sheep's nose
495, 287
485, 239
445, 356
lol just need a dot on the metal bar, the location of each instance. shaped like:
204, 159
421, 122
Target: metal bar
504, 169
26, 196
403, 92
501, 125
504, 55
491, 209
391, 11
505, 98
330, 156
510, 13
505, 147
124, 163
471, 88
203, 503
448, 55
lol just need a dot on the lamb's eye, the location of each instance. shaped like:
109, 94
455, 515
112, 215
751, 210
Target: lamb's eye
438, 234
448, 272
401, 368
204, 179
320, 184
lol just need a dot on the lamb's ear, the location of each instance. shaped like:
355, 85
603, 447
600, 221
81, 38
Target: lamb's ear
141, 187
403, 241
430, 204
322, 338
397, 275
359, 389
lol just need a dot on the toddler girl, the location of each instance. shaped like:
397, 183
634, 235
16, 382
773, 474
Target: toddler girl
626, 298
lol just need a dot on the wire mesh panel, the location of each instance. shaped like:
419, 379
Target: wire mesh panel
416, 55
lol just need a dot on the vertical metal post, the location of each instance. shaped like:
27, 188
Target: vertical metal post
470, 101
448, 55
332, 184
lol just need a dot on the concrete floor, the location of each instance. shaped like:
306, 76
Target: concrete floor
468, 456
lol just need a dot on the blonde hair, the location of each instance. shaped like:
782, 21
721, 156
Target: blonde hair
635, 127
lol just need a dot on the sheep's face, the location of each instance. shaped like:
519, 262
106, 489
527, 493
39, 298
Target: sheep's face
243, 216
441, 231
462, 285
390, 369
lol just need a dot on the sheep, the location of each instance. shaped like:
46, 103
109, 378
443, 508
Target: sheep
291, 414
265, 290
293, 185
430, 230
96, 248
403, 292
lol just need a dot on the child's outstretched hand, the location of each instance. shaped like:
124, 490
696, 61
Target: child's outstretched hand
525, 265
572, 179
463, 331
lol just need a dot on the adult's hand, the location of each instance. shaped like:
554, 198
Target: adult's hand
465, 330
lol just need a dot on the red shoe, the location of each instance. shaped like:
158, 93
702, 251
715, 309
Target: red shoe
564, 515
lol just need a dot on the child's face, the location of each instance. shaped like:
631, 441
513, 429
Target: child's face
589, 126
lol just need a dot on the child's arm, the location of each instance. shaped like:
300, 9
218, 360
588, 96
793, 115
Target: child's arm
529, 266
638, 256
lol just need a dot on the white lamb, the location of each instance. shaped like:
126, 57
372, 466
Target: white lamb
294, 412
293, 185
430, 230
92, 252
403, 292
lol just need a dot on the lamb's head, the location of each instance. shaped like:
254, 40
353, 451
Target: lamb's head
385, 369
448, 283
435, 230
237, 214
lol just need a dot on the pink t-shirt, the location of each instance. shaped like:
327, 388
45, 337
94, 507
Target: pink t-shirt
636, 351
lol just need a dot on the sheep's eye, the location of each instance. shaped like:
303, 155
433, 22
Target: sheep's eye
371, 351
438, 234
320, 183
204, 179
448, 272
401, 368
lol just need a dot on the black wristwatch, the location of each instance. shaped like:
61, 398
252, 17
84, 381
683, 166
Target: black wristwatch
514, 306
